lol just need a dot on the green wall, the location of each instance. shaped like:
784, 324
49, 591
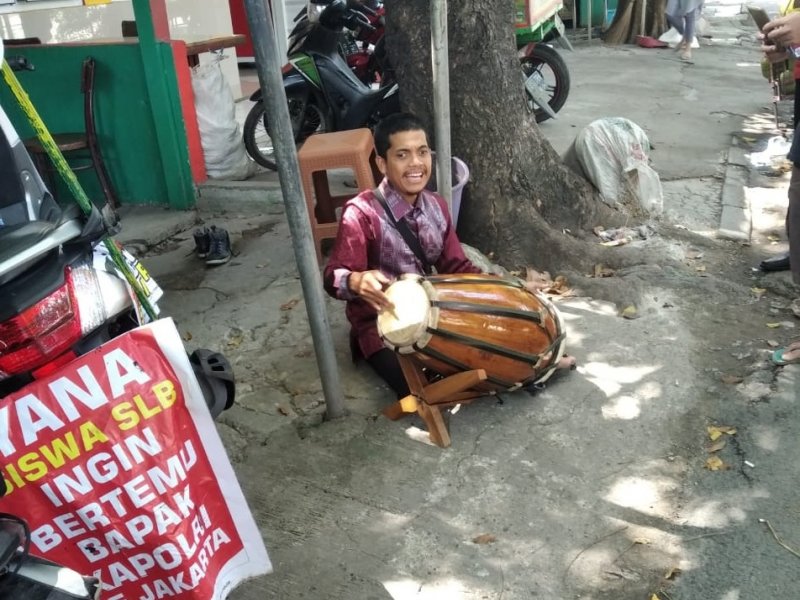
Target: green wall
123, 114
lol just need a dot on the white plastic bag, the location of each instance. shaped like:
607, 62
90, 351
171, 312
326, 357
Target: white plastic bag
613, 154
220, 136
673, 38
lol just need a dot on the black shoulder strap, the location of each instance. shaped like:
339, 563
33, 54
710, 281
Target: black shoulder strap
408, 235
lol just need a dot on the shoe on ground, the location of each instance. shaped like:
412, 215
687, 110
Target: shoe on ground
219, 251
776, 263
202, 242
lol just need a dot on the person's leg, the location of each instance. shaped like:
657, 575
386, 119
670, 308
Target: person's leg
688, 35
676, 22
690, 19
384, 362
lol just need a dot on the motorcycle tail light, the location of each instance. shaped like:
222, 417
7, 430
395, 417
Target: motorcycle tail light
86, 288
49, 328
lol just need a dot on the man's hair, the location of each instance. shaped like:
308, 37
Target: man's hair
394, 123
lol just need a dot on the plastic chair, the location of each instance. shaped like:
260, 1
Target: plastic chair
71, 142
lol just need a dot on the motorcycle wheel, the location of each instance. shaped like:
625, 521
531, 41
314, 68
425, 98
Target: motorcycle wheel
306, 116
548, 65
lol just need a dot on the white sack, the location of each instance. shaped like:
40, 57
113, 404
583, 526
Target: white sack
220, 136
613, 154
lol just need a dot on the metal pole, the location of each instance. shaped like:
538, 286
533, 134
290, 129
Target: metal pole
441, 99
269, 65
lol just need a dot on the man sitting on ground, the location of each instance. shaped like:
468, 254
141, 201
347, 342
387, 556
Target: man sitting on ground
370, 252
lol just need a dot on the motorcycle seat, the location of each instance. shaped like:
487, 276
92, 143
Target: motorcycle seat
23, 244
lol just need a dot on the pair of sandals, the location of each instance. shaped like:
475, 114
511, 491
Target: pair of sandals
780, 358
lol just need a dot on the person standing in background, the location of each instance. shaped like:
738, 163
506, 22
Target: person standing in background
780, 34
777, 56
682, 15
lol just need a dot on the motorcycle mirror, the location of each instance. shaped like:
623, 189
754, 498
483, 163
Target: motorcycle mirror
357, 20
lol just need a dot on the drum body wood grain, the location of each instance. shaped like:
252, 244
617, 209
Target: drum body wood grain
455, 323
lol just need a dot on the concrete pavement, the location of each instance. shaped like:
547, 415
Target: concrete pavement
595, 487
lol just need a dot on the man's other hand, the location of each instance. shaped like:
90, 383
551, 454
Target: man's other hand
369, 285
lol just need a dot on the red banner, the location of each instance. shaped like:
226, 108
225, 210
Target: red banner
117, 466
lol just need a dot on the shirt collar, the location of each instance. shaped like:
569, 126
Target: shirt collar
396, 203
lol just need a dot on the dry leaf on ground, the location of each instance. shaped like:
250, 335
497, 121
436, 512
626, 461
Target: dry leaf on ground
290, 304
694, 254
235, 340
629, 312
773, 343
716, 431
537, 281
717, 446
773, 325
614, 243
732, 379
758, 291
714, 463
601, 271
485, 538
672, 573
560, 287
187, 336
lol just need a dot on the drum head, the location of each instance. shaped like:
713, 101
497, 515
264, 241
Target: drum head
408, 322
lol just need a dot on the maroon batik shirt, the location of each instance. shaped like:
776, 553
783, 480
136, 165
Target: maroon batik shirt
367, 240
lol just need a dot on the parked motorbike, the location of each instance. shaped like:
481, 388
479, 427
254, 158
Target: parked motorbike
59, 295
544, 72
59, 298
364, 49
27, 577
321, 89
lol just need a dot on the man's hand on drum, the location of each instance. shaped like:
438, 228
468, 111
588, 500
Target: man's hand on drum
369, 285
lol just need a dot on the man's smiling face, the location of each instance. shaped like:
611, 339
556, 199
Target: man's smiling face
407, 165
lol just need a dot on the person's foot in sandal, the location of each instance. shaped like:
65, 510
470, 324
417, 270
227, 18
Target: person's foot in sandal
788, 355
567, 362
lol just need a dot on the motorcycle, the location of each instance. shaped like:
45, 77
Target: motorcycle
364, 49
24, 576
321, 89
544, 72
60, 297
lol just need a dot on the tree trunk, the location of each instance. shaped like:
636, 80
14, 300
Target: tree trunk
522, 204
627, 23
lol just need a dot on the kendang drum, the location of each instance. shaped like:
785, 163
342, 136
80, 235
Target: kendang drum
456, 323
